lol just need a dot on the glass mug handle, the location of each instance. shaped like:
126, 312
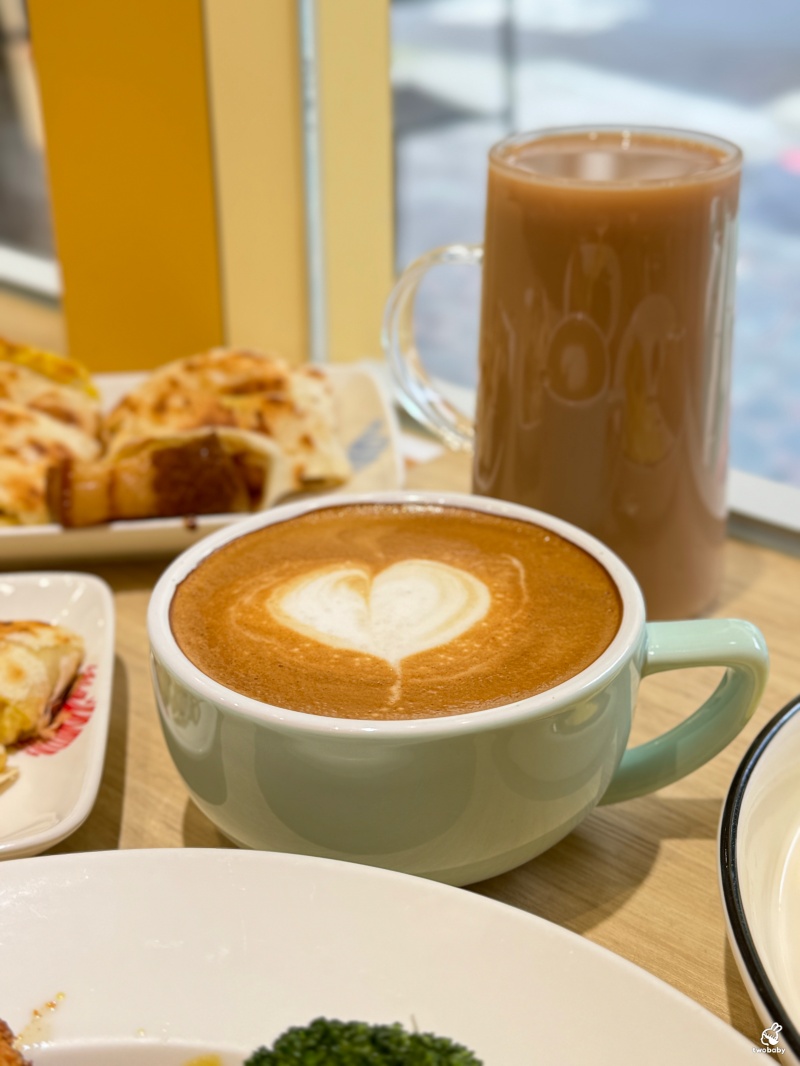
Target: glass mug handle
417, 392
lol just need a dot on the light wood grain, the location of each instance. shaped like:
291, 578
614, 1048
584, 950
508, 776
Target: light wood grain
639, 878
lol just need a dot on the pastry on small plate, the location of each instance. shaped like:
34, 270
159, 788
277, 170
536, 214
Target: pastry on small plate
56, 668
38, 663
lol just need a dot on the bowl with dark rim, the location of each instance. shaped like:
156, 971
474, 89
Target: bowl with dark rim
759, 868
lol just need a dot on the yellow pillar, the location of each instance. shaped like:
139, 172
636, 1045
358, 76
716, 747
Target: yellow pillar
356, 153
123, 90
175, 148
254, 101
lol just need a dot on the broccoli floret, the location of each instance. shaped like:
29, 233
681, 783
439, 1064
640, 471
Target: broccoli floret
333, 1043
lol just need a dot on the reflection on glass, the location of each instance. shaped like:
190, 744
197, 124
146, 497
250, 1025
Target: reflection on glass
24, 208
466, 72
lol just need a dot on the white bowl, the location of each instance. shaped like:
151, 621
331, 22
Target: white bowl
759, 867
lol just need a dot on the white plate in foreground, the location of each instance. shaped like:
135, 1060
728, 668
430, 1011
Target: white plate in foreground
58, 779
227, 948
759, 866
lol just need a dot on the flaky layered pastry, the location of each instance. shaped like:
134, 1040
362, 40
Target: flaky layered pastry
38, 663
50, 384
190, 473
9, 1056
31, 442
49, 413
226, 430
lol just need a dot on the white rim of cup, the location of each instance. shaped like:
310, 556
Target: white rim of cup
165, 647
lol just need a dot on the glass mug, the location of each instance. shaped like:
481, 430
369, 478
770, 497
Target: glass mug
605, 345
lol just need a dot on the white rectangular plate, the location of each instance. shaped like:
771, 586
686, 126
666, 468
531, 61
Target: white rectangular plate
58, 779
369, 434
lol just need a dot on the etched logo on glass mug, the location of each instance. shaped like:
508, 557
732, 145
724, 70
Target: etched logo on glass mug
605, 343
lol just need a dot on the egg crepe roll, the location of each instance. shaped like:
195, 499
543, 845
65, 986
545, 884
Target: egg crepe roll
224, 431
30, 443
38, 663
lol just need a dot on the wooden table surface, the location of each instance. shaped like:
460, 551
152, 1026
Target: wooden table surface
639, 878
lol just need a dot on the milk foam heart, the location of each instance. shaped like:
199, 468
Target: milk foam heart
380, 612
407, 608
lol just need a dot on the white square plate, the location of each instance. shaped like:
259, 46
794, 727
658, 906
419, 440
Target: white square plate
59, 778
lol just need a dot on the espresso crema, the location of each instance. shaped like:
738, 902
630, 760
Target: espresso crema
389, 611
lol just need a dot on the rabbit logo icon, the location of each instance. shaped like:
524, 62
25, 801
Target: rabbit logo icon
769, 1038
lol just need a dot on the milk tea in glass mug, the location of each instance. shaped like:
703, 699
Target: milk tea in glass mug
605, 345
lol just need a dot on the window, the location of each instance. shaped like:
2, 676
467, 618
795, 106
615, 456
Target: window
465, 72
27, 257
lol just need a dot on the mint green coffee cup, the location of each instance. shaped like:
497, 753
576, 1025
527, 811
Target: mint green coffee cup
457, 798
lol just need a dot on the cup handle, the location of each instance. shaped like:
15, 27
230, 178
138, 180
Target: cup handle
416, 390
733, 643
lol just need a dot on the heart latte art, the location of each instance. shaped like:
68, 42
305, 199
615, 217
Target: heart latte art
387, 611
407, 608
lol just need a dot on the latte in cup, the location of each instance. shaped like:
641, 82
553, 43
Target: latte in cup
395, 611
